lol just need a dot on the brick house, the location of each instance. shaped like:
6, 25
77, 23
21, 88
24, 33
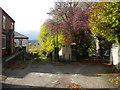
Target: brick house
6, 34
0, 33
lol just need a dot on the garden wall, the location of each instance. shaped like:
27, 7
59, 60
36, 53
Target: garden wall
13, 58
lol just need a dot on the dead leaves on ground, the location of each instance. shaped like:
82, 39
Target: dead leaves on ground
114, 78
115, 81
58, 63
75, 87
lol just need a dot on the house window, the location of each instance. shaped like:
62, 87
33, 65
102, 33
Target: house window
4, 22
20, 42
3, 41
12, 25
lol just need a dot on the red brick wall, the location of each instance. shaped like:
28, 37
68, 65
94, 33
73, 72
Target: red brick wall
10, 38
0, 32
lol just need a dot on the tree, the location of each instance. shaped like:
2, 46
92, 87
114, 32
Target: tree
104, 23
47, 41
72, 22
104, 20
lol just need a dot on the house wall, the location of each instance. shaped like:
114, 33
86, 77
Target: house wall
24, 43
9, 38
0, 41
0, 32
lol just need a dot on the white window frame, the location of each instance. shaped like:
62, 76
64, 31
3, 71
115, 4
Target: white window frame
4, 37
4, 22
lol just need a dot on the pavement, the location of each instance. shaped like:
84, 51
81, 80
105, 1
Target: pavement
55, 76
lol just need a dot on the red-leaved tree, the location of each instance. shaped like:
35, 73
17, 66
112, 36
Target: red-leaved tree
72, 22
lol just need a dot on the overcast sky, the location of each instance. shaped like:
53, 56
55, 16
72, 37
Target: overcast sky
29, 15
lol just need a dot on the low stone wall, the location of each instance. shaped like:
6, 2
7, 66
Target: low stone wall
11, 59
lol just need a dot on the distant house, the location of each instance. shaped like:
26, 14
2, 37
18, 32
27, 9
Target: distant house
33, 42
6, 34
20, 40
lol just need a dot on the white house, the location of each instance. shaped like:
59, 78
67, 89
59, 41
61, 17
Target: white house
21, 40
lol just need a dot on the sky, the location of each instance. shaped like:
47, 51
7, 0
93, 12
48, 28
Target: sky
29, 15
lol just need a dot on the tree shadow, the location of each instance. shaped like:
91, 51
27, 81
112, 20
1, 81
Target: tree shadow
26, 87
86, 69
14, 87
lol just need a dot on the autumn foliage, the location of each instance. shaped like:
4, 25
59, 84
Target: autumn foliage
80, 22
73, 23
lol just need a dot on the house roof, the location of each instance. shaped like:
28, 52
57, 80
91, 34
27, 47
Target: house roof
7, 15
19, 36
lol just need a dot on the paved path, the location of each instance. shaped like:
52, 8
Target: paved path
85, 75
